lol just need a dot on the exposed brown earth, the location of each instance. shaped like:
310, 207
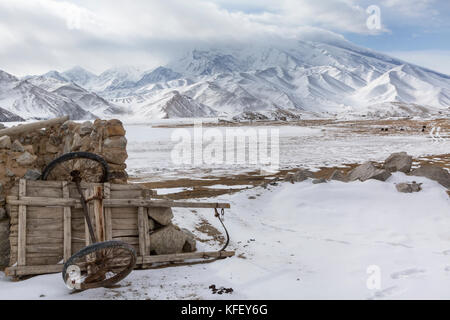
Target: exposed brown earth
199, 187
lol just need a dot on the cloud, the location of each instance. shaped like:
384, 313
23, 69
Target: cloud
39, 35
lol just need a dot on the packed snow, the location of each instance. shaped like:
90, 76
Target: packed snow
301, 241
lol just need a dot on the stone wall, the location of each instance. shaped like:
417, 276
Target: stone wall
26, 155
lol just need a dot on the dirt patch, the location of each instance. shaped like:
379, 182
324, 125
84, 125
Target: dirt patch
215, 235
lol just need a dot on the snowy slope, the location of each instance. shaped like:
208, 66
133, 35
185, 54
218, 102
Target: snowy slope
57, 83
23, 98
324, 244
171, 105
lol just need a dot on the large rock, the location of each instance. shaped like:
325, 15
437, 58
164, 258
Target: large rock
167, 240
76, 142
50, 148
408, 187
86, 128
161, 215
17, 146
368, 171
399, 161
5, 142
115, 142
299, 176
190, 245
115, 155
114, 128
338, 176
26, 159
32, 174
434, 173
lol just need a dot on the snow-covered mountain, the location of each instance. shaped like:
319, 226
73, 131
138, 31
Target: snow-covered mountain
59, 84
330, 77
28, 101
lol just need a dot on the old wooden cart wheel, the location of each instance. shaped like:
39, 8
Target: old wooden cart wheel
99, 265
88, 166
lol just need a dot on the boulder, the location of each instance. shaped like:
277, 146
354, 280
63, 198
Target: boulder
368, 171
299, 176
338, 176
86, 128
161, 215
5, 142
26, 159
32, 174
50, 148
115, 142
321, 180
17, 146
435, 173
76, 142
167, 240
408, 187
399, 161
115, 155
113, 128
190, 245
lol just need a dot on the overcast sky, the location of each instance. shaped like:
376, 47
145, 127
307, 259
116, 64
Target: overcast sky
41, 35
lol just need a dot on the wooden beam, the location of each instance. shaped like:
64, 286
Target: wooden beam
19, 129
117, 203
67, 224
32, 270
22, 226
141, 227
97, 204
108, 213
113, 203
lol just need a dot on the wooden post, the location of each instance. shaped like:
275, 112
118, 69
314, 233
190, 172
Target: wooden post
142, 231
108, 213
98, 213
67, 224
22, 232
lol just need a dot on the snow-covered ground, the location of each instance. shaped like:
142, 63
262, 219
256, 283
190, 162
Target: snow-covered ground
302, 241
149, 149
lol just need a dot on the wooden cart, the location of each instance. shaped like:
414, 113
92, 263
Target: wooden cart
47, 223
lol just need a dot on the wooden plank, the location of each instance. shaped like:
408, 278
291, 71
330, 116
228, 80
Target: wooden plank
125, 233
114, 203
67, 224
22, 226
97, 205
108, 212
30, 270
43, 201
161, 203
142, 231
